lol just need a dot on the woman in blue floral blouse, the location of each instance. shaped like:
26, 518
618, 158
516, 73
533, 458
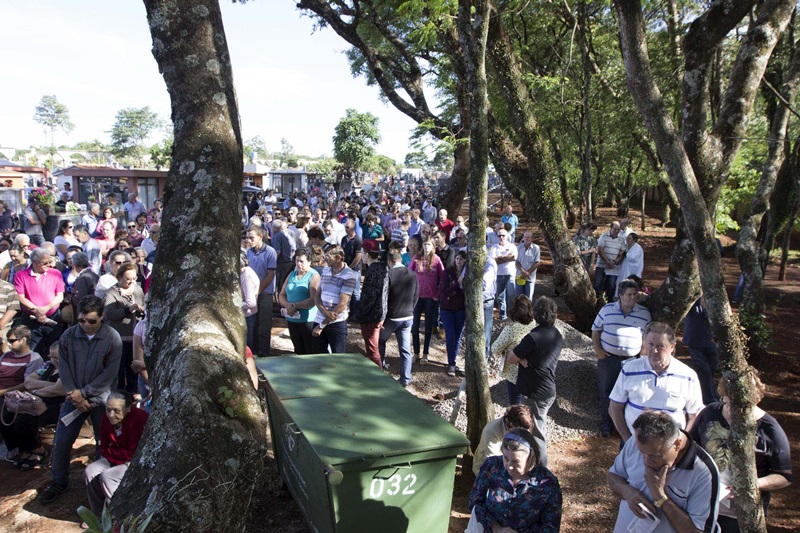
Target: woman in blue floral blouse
513, 492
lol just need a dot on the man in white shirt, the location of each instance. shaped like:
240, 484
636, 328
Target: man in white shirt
133, 207
610, 253
505, 255
528, 259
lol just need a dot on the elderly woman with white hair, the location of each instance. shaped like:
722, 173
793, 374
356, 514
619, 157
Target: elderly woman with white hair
513, 492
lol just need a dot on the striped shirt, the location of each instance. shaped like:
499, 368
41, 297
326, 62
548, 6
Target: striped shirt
676, 391
8, 297
15, 368
621, 334
331, 287
611, 246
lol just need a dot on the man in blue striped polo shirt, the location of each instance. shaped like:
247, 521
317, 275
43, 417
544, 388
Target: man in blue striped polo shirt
617, 335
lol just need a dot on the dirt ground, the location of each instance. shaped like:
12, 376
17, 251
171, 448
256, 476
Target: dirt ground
580, 464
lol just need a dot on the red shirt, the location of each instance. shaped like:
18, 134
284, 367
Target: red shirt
446, 226
118, 449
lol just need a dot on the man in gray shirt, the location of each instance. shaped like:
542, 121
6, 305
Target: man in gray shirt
89, 358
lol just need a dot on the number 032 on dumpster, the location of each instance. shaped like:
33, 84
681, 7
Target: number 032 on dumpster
396, 485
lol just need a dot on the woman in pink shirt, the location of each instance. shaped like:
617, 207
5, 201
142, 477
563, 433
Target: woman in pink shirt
429, 269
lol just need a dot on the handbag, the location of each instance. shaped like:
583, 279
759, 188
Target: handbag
21, 402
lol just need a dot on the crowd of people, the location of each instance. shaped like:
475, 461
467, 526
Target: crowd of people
70, 315
388, 260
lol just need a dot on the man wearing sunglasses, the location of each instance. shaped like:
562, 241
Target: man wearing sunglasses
134, 237
89, 358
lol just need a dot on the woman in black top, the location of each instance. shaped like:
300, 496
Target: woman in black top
537, 354
711, 429
371, 311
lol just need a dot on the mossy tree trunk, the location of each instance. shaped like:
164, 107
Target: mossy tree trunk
752, 308
473, 22
530, 167
197, 464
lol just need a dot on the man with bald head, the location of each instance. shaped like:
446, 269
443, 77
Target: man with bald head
610, 254
40, 290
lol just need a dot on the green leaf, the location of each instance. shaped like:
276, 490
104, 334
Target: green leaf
108, 523
229, 412
228, 393
91, 520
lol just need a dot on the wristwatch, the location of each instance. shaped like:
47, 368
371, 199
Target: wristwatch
662, 501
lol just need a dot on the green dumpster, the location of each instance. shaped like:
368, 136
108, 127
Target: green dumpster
358, 452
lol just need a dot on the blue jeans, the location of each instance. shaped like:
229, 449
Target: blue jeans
608, 370
599, 279
333, 335
488, 322
424, 305
608, 286
526, 289
514, 396
66, 437
402, 330
453, 322
704, 362
504, 296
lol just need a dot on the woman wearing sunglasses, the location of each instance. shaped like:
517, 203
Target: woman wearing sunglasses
65, 238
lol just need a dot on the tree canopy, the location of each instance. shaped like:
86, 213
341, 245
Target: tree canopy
355, 138
132, 126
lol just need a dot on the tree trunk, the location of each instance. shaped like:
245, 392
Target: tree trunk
697, 217
473, 22
531, 169
455, 189
196, 465
752, 308
562, 176
785, 196
787, 239
586, 160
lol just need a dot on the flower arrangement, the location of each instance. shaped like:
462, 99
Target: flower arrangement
72, 207
43, 196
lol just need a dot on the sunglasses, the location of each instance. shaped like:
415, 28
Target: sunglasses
11, 341
131, 227
90, 321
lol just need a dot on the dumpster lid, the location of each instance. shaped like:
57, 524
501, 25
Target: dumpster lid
302, 376
369, 425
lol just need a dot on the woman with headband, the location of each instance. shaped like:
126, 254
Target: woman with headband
514, 492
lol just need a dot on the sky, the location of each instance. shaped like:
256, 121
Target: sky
95, 57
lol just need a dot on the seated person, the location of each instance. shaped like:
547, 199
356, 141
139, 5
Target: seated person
46, 384
516, 416
773, 453
120, 432
15, 366
513, 492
